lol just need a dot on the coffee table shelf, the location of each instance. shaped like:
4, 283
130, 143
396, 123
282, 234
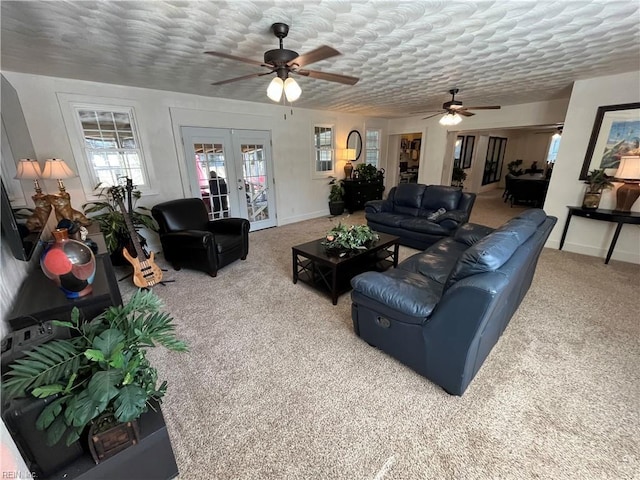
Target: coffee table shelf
331, 273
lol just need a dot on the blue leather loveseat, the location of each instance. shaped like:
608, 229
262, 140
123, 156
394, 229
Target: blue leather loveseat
441, 311
420, 214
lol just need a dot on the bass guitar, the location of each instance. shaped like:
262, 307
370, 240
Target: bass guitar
145, 272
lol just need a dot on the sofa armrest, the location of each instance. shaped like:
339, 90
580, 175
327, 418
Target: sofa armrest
186, 239
374, 206
234, 226
452, 219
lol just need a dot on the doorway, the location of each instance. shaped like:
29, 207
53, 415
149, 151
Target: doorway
409, 162
231, 170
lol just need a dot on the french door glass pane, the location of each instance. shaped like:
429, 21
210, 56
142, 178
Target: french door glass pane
212, 178
254, 173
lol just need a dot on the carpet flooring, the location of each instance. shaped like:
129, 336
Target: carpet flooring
277, 386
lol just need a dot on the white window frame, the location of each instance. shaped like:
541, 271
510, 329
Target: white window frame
554, 147
316, 151
375, 148
70, 105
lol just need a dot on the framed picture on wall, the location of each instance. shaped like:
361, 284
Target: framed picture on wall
468, 151
616, 130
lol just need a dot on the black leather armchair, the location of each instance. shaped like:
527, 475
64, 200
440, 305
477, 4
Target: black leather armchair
189, 239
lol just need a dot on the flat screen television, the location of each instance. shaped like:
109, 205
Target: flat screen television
21, 241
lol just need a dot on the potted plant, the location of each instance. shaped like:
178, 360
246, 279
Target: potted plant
514, 167
367, 172
336, 197
596, 181
458, 177
103, 369
112, 222
342, 239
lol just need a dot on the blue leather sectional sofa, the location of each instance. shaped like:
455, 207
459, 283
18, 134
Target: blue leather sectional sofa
441, 311
420, 214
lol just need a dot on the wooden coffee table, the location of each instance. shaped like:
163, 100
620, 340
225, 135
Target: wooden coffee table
331, 273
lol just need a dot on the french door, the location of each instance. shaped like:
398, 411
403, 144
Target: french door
231, 170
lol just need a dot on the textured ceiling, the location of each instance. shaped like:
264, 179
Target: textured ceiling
406, 54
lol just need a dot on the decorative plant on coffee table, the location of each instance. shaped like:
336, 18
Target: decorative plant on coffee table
596, 181
102, 370
343, 240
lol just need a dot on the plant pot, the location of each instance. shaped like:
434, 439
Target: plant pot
336, 208
591, 200
107, 437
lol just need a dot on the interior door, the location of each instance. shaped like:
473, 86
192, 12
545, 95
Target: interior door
231, 171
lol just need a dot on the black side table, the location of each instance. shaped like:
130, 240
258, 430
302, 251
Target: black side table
614, 216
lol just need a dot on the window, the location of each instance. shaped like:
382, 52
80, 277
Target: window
372, 150
111, 145
493, 163
323, 144
554, 146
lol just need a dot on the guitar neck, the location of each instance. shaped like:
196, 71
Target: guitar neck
132, 231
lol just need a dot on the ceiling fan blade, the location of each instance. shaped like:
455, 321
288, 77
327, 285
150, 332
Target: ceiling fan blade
331, 77
239, 59
486, 107
464, 113
434, 115
313, 56
251, 75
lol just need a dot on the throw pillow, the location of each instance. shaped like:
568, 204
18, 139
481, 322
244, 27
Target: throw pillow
432, 217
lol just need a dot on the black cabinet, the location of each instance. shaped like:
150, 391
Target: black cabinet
39, 299
358, 192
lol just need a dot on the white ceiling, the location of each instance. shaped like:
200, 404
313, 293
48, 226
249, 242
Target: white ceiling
406, 54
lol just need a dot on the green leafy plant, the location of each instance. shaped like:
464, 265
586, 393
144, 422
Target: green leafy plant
458, 176
367, 172
111, 220
103, 369
514, 167
345, 239
336, 193
597, 181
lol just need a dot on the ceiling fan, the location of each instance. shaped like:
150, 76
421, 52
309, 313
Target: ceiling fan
454, 108
284, 62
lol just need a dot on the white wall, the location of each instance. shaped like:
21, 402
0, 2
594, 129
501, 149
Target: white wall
589, 236
159, 115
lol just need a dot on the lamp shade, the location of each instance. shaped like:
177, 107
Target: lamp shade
57, 168
274, 90
350, 154
292, 90
450, 119
28, 169
629, 168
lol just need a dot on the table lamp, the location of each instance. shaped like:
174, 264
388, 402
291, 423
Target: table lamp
349, 154
629, 173
58, 169
29, 169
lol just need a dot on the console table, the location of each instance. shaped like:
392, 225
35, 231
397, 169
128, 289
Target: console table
613, 216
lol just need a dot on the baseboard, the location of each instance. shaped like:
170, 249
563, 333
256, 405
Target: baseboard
620, 255
299, 218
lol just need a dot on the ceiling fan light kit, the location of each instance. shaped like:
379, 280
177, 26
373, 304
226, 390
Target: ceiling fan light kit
454, 110
284, 62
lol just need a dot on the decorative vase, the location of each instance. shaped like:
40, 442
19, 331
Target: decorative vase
591, 200
70, 264
348, 169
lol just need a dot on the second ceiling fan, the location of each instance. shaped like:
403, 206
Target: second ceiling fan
283, 62
454, 108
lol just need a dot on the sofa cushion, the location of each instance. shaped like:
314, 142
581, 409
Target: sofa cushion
422, 225
407, 197
536, 215
441, 196
470, 233
385, 218
522, 228
437, 262
490, 253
